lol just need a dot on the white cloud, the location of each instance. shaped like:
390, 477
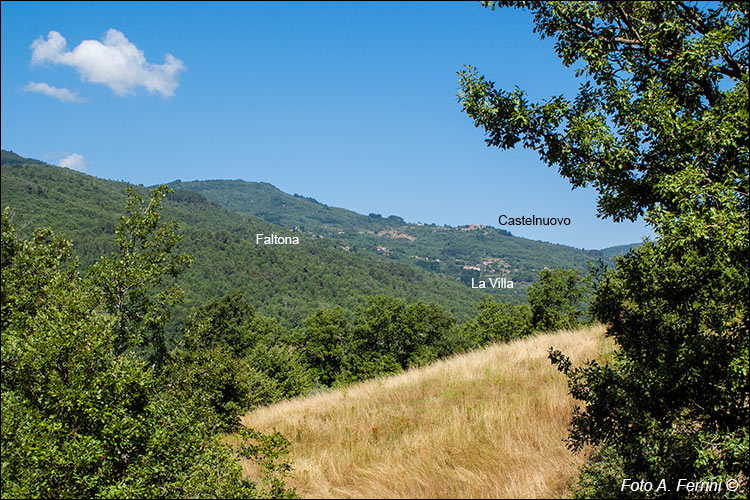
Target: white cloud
63, 94
114, 62
74, 161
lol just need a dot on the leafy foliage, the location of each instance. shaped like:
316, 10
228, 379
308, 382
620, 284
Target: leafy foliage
226, 322
243, 359
129, 279
498, 322
385, 336
326, 343
392, 335
556, 298
81, 417
650, 122
660, 129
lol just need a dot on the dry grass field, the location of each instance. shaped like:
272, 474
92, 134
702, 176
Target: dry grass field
487, 424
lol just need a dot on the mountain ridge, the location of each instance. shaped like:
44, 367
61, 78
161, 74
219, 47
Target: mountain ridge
186, 185
285, 282
463, 255
463, 252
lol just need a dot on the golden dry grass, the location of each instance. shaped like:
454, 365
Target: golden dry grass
490, 423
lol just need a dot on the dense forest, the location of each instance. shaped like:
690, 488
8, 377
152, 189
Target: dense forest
283, 281
457, 252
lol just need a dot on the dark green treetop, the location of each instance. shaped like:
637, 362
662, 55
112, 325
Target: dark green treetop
83, 419
130, 279
660, 116
555, 299
660, 128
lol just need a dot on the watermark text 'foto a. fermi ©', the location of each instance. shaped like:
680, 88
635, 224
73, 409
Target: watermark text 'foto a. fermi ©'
679, 486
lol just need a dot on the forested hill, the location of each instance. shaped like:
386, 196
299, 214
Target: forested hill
457, 252
282, 281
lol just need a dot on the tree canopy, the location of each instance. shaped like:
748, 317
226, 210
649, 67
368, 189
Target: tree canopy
660, 116
84, 414
659, 127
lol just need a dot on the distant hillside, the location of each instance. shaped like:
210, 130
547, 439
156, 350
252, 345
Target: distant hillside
282, 281
487, 424
268, 202
609, 252
11, 158
460, 253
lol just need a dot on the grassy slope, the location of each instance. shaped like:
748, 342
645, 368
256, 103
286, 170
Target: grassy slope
490, 423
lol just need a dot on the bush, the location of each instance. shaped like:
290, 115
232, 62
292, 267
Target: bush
497, 322
284, 366
82, 417
555, 299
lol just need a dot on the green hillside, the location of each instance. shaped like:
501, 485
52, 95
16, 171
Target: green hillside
285, 282
11, 158
609, 252
456, 252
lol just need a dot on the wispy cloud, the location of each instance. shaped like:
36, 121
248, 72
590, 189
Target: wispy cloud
74, 161
114, 62
63, 94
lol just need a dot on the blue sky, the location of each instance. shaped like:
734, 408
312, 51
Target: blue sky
353, 104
